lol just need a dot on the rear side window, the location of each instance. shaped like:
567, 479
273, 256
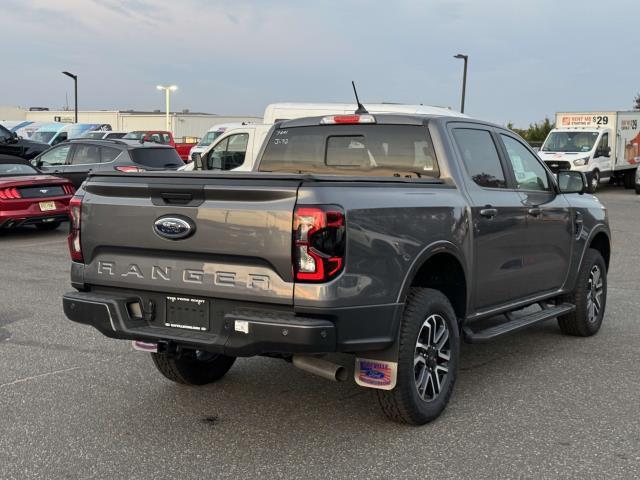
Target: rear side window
480, 156
109, 154
157, 157
85, 154
386, 150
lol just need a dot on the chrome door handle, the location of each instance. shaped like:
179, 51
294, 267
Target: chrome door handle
534, 212
489, 212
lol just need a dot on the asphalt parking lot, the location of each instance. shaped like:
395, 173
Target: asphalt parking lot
538, 404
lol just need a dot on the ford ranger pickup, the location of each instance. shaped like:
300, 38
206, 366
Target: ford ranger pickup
388, 237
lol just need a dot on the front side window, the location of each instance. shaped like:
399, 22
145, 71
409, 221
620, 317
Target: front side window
56, 156
230, 153
528, 170
85, 154
603, 146
166, 138
480, 156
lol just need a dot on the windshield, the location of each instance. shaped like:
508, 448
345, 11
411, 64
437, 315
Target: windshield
209, 138
134, 135
10, 169
570, 141
96, 135
381, 150
44, 137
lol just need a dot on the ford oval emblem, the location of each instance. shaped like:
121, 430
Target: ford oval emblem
174, 227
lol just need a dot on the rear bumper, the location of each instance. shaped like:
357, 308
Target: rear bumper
14, 221
271, 328
31, 214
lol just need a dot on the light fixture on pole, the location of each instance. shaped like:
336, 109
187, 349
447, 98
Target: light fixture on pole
464, 78
167, 90
75, 94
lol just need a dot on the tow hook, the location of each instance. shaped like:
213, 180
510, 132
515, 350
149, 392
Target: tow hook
148, 311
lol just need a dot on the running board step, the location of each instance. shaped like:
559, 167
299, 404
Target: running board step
516, 324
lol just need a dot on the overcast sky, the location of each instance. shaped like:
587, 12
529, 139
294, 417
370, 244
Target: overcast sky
528, 59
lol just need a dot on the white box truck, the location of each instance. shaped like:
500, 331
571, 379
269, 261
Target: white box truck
603, 145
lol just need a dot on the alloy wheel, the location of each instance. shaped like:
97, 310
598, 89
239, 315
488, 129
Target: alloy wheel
431, 357
594, 294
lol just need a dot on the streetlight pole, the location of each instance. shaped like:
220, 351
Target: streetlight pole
75, 92
167, 91
464, 78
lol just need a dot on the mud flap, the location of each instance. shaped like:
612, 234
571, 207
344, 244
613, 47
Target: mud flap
379, 369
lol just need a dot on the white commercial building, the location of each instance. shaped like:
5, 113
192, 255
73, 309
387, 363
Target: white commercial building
183, 124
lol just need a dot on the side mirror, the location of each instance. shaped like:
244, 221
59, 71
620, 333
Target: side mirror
571, 181
197, 161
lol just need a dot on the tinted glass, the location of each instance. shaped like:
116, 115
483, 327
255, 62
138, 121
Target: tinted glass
157, 157
4, 134
387, 150
480, 156
115, 135
133, 136
109, 154
604, 142
44, 137
8, 169
209, 137
528, 170
85, 154
229, 153
94, 135
56, 156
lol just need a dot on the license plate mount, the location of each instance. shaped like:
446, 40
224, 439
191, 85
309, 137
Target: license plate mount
47, 206
187, 313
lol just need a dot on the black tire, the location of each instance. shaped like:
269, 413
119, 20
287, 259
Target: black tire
404, 403
582, 322
629, 180
197, 368
637, 189
45, 227
594, 181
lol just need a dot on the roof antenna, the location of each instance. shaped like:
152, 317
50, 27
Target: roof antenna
361, 110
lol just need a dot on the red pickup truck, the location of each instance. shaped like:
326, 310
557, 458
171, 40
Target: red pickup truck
163, 137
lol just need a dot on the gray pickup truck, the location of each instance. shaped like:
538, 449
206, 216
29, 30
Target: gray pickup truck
388, 237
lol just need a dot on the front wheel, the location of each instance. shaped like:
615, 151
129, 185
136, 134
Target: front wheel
594, 181
427, 361
193, 368
589, 297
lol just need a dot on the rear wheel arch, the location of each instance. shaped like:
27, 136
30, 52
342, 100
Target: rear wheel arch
602, 244
440, 268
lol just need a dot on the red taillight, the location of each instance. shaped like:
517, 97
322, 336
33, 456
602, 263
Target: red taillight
346, 119
129, 169
68, 189
318, 242
10, 193
75, 211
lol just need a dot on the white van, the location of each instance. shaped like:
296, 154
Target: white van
237, 148
287, 111
600, 144
209, 137
54, 133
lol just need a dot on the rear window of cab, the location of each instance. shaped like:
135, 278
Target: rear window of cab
156, 157
377, 150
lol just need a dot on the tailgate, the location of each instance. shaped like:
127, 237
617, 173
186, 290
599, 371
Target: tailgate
240, 247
